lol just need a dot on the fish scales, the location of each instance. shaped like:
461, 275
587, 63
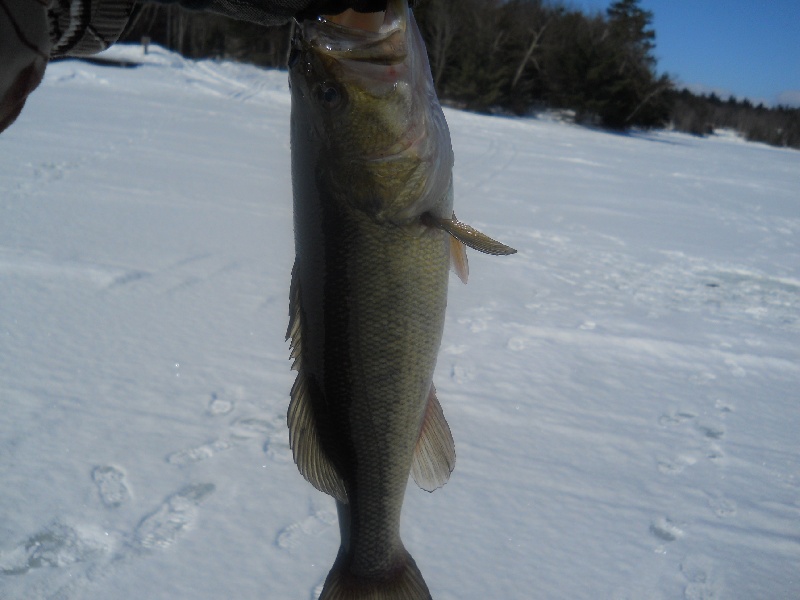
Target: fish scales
378, 295
394, 318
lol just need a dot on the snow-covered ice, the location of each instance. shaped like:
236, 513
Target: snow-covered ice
624, 392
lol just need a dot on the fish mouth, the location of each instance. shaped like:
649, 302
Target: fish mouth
372, 49
342, 37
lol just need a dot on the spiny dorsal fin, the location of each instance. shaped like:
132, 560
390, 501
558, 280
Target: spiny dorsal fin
435, 452
458, 259
469, 235
304, 441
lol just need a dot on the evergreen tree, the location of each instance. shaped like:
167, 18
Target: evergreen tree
476, 67
627, 91
525, 24
514, 55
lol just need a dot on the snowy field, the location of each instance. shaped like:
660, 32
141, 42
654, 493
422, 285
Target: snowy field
624, 392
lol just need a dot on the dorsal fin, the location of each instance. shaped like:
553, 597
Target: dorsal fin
304, 439
435, 452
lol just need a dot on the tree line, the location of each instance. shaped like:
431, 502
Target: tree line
514, 57
702, 114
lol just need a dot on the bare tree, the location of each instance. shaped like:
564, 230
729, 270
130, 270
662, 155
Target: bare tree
440, 31
537, 36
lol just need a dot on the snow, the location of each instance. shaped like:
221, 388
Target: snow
623, 392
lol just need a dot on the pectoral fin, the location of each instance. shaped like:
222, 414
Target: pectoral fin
469, 235
435, 452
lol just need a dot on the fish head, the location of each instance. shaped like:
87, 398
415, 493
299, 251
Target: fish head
363, 104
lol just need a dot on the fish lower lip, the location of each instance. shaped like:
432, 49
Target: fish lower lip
362, 36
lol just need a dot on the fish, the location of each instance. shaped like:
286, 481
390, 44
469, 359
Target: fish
375, 236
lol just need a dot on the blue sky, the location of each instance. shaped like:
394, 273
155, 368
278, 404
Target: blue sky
747, 48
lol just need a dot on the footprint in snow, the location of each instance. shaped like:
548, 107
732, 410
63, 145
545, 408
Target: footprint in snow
666, 530
517, 344
712, 430
128, 277
277, 446
715, 454
111, 485
734, 368
198, 453
722, 406
676, 417
722, 507
461, 373
218, 407
56, 546
312, 526
252, 427
475, 325
677, 465
702, 582
241, 429
176, 515
273, 428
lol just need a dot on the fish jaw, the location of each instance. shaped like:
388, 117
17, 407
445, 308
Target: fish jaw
368, 99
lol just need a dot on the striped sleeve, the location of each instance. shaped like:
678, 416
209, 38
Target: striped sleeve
81, 27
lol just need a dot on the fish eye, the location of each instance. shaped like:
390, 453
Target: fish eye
330, 96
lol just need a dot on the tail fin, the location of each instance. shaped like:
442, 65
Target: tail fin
403, 583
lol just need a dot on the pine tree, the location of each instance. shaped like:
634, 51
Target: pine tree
627, 92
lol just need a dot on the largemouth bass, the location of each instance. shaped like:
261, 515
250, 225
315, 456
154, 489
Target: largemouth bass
374, 236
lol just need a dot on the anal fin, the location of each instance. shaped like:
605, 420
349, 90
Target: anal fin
435, 452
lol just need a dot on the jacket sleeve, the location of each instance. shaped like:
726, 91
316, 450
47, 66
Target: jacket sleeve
81, 27
276, 12
33, 31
